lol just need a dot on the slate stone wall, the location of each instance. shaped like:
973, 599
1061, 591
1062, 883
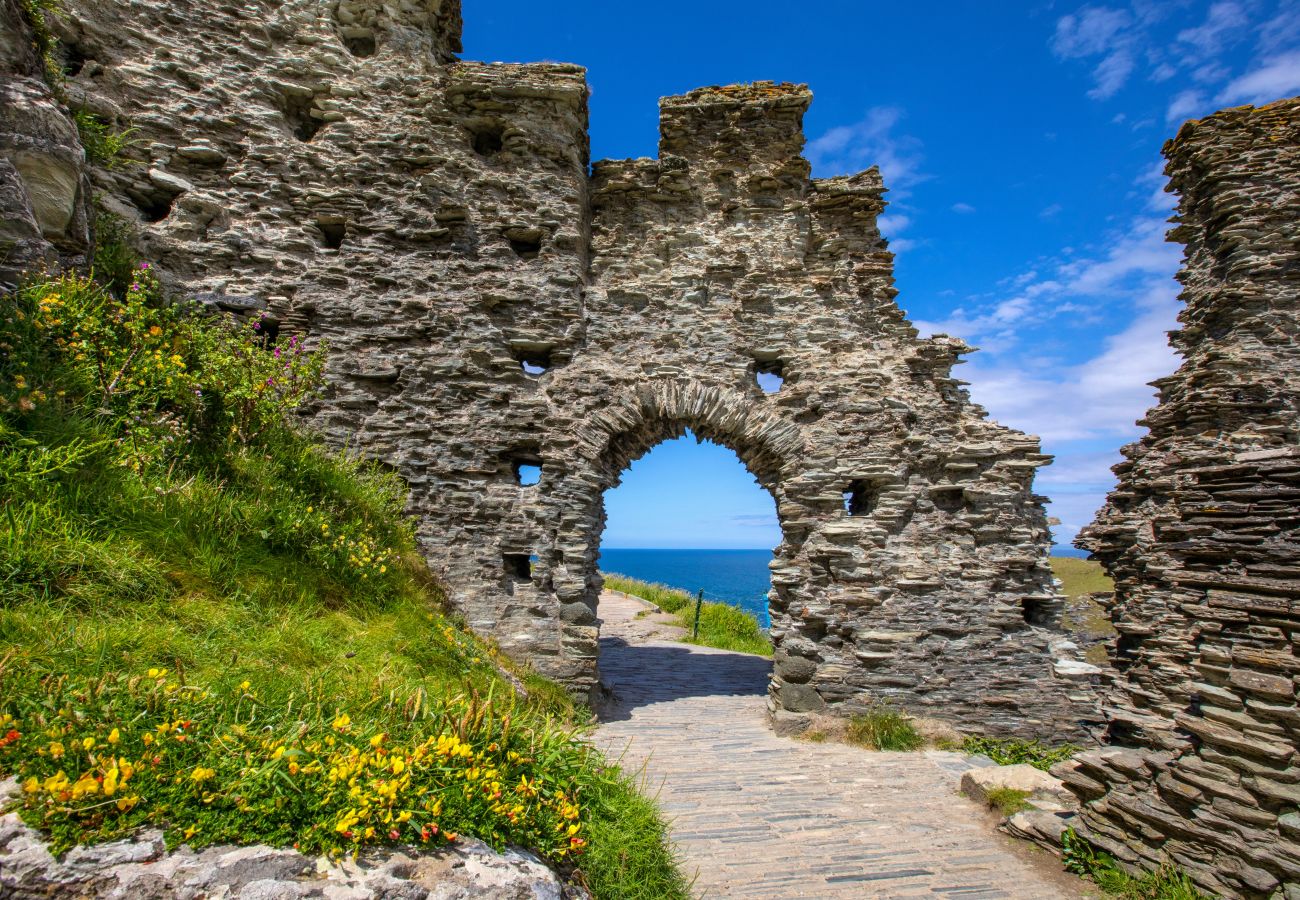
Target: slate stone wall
489, 302
1202, 537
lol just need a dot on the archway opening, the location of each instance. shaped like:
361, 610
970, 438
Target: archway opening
689, 516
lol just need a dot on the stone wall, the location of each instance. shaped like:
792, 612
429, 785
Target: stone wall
488, 303
1202, 537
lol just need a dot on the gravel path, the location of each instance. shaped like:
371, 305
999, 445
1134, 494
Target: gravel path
756, 815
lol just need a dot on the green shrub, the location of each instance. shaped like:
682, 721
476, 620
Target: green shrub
1007, 801
884, 728
1165, 883
46, 45
1011, 751
722, 625
104, 144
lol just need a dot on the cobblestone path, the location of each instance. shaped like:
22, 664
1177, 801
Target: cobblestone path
756, 815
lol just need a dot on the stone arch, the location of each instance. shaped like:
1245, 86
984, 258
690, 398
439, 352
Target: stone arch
769, 447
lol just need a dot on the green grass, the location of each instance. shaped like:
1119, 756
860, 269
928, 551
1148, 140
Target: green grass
721, 625
1165, 883
1080, 576
234, 610
883, 728
1012, 751
1007, 801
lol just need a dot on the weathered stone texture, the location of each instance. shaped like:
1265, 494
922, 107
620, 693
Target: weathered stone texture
1202, 538
435, 222
142, 868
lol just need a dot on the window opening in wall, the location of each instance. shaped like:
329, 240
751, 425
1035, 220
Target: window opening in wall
487, 138
332, 233
528, 473
770, 375
519, 566
525, 242
860, 499
298, 114
535, 362
1036, 610
360, 43
950, 499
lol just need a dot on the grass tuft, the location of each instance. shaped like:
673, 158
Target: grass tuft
1165, 883
884, 728
722, 625
1007, 801
1012, 751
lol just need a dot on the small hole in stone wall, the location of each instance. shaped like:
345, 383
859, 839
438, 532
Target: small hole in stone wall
519, 566
770, 375
487, 139
156, 207
74, 60
361, 45
535, 362
526, 247
859, 499
297, 113
332, 234
528, 473
1036, 611
950, 501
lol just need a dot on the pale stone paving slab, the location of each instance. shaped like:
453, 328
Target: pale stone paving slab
755, 815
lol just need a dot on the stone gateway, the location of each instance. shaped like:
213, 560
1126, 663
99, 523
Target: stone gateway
491, 301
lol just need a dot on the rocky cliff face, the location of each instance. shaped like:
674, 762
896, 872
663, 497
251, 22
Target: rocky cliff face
489, 304
1202, 537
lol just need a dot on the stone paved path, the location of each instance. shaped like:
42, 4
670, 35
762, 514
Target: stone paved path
757, 816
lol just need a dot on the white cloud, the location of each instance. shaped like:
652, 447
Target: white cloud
963, 208
893, 224
1185, 106
1274, 78
1098, 31
1111, 74
1049, 211
872, 141
1224, 21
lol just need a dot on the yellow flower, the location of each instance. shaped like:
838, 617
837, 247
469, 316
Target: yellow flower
125, 803
191, 831
56, 749
376, 740
200, 774
88, 743
245, 685
114, 736
346, 821
31, 785
85, 786
110, 781
278, 752
342, 722
155, 330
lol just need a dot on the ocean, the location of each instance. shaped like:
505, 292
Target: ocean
739, 577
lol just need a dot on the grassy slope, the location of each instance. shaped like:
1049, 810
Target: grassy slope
721, 624
1080, 576
265, 561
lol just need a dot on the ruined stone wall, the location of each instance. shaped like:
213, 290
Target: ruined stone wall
1202, 538
487, 305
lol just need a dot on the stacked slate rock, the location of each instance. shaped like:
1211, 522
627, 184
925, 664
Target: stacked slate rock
489, 303
1202, 537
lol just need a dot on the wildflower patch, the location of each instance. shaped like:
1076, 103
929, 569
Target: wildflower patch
98, 758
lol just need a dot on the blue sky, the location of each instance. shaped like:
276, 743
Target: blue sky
1021, 146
